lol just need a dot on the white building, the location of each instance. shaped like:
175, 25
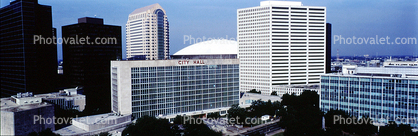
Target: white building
166, 88
173, 87
65, 99
294, 89
280, 43
22, 114
382, 94
96, 124
147, 33
400, 63
247, 99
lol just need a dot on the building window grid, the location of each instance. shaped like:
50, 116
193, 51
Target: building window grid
376, 98
184, 79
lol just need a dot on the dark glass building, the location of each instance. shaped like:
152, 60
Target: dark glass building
86, 60
328, 48
27, 64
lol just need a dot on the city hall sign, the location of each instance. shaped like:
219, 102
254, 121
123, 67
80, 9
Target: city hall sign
190, 62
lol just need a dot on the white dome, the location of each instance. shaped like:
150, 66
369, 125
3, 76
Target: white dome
212, 47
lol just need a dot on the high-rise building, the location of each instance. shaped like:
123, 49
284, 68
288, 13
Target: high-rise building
382, 94
328, 48
177, 86
27, 64
87, 60
280, 43
174, 87
147, 33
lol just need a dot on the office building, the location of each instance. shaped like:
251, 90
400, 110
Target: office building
27, 64
86, 62
383, 94
171, 87
280, 43
328, 42
66, 99
147, 33
22, 114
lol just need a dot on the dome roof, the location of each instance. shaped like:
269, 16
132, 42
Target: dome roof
212, 47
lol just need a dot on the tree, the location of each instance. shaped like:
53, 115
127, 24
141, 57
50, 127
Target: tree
149, 126
329, 119
274, 93
259, 108
393, 129
199, 130
46, 132
214, 115
301, 115
254, 91
333, 127
236, 114
104, 134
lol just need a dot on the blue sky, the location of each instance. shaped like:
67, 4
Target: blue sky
216, 19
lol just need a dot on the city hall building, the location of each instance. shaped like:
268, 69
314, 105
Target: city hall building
174, 87
383, 94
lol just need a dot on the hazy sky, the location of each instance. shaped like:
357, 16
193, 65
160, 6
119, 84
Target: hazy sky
217, 19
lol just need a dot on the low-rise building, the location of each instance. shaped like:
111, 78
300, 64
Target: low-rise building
295, 89
65, 99
95, 124
247, 98
22, 114
382, 94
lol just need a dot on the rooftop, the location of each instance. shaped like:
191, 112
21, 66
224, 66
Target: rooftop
97, 119
281, 3
143, 9
211, 47
8, 105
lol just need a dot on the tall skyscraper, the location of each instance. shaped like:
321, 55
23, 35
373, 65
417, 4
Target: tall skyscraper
280, 43
328, 48
27, 64
147, 33
87, 64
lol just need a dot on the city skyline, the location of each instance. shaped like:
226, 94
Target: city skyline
217, 19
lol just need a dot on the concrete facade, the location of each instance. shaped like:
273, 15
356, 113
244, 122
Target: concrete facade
382, 94
280, 43
166, 87
65, 99
147, 33
23, 119
95, 124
